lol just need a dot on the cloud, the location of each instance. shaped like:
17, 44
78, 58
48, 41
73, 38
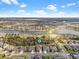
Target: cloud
63, 6
0, 2
6, 1
69, 5
40, 12
60, 14
65, 14
21, 11
10, 2
36, 14
52, 7
22, 8
23, 5
15, 2
24, 13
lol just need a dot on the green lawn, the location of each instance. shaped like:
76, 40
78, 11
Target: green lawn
47, 57
1, 57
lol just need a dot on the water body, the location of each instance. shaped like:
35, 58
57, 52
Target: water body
19, 32
39, 19
68, 32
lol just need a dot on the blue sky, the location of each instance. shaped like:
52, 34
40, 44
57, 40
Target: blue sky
39, 8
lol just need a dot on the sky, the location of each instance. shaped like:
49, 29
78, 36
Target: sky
39, 8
